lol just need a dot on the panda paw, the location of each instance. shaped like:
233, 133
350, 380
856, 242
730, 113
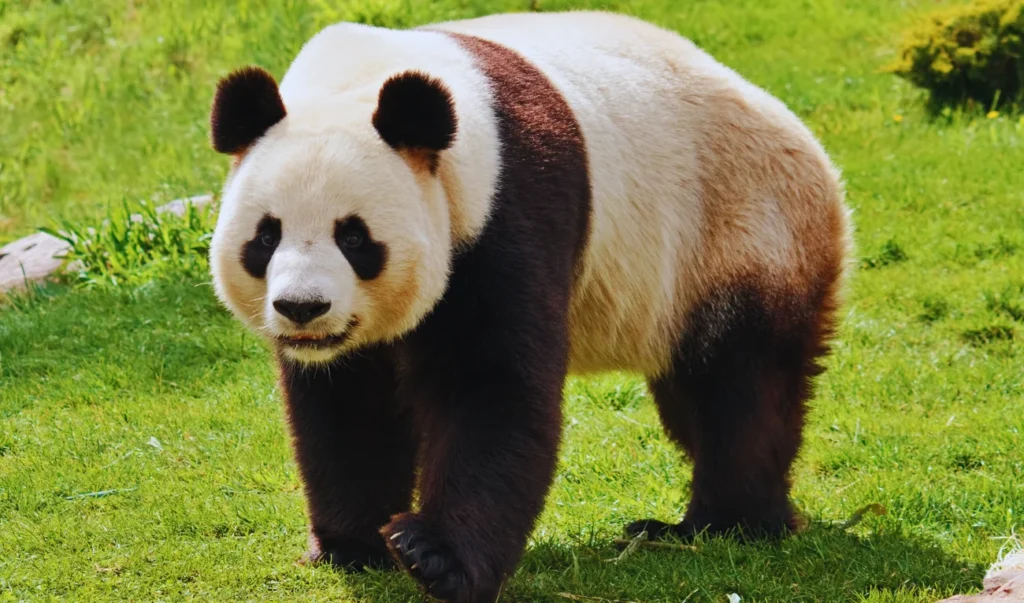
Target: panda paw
658, 530
347, 554
428, 560
742, 531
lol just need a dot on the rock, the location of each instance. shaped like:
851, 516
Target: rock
178, 205
37, 256
1004, 583
30, 259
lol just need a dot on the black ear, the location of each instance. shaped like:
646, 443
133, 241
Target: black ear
415, 112
247, 103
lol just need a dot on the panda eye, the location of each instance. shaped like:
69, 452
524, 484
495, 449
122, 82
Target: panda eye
365, 254
353, 240
256, 252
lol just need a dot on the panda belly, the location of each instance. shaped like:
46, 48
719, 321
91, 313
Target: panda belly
619, 320
638, 274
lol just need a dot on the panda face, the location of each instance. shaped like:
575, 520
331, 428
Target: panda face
329, 238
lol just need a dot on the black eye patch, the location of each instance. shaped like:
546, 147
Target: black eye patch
257, 252
366, 256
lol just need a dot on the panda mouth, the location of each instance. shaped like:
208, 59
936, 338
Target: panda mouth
313, 341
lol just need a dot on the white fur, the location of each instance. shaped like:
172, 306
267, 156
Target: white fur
663, 122
309, 177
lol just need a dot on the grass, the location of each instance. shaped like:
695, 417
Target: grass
142, 449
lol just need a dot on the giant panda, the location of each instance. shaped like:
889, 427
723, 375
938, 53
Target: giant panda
433, 227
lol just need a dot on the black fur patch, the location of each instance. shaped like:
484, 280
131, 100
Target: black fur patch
366, 256
484, 371
257, 252
246, 105
415, 111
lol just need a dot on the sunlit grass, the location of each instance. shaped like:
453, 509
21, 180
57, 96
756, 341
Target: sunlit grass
143, 454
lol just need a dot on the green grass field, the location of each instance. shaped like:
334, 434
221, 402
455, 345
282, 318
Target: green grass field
143, 454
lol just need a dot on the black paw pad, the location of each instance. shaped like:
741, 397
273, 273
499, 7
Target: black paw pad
427, 559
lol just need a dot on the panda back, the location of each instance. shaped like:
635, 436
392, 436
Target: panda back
699, 180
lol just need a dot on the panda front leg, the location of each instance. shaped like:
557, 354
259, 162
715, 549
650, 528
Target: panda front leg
485, 476
356, 455
489, 406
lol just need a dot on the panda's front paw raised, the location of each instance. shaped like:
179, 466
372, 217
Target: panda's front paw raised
431, 562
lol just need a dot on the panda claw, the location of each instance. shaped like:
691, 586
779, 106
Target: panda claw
429, 560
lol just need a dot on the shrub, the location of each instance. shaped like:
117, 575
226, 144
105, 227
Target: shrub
966, 54
136, 244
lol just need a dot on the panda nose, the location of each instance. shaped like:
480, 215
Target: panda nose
301, 312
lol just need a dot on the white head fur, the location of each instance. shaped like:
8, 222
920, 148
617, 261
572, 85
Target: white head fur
318, 166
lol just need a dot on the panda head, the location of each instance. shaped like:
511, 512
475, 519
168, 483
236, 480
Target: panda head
333, 230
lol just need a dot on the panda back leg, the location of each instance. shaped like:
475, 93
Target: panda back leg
735, 400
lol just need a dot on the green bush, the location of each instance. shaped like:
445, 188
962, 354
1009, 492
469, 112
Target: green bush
136, 244
968, 54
